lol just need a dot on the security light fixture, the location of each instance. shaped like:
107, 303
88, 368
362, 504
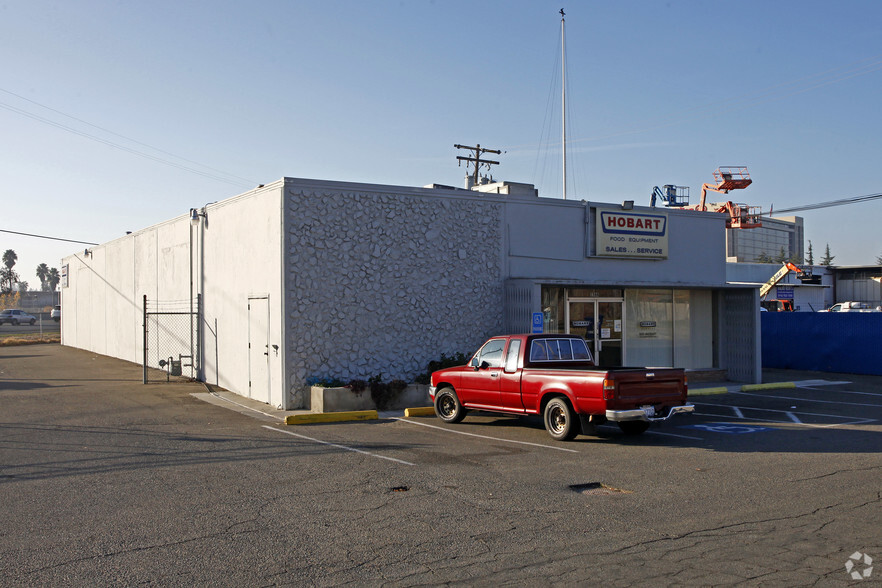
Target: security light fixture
195, 213
628, 205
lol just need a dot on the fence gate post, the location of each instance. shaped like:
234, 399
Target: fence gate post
144, 313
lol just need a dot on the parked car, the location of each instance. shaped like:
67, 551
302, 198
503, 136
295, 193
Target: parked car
852, 307
55, 315
16, 317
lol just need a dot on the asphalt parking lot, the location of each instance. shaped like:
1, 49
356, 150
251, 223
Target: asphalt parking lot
109, 482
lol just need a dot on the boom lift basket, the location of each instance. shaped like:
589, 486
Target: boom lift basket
732, 178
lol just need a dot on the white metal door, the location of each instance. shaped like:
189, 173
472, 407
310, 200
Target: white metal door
258, 349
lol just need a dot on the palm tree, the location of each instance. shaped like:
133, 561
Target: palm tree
9, 258
8, 276
43, 274
54, 277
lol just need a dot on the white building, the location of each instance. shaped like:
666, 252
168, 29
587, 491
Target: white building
308, 278
777, 234
805, 296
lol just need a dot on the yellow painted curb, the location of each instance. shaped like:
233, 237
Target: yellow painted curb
770, 386
331, 417
708, 391
420, 411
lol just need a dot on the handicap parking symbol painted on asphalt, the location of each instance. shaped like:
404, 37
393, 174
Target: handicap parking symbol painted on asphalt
727, 428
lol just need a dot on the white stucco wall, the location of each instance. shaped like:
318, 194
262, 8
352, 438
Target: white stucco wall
103, 302
352, 280
381, 280
240, 248
551, 239
236, 253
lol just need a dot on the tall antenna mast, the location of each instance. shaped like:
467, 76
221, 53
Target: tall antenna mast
563, 93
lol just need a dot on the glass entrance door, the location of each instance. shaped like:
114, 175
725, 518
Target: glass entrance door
600, 323
580, 321
609, 333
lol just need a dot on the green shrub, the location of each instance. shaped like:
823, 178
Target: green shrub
446, 361
357, 386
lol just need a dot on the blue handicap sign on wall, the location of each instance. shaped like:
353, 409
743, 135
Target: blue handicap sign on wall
537, 322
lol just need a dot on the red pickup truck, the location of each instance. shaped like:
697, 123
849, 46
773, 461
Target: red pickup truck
555, 376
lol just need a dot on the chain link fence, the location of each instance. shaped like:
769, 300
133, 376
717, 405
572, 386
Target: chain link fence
171, 339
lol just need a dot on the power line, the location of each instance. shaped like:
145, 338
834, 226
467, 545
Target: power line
47, 237
771, 93
829, 204
219, 175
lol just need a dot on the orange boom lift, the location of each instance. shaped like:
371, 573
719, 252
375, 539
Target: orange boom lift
741, 216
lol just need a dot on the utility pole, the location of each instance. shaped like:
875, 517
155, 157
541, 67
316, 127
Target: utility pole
478, 150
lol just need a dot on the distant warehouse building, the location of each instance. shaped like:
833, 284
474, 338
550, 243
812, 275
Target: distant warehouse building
306, 279
776, 235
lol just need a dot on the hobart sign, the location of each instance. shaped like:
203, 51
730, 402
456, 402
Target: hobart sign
632, 234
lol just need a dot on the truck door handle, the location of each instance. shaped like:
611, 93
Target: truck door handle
494, 375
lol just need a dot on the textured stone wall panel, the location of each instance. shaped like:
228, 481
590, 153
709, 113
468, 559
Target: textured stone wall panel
384, 283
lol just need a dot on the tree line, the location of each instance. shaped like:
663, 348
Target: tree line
9, 278
781, 257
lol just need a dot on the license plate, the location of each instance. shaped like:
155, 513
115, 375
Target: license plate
649, 411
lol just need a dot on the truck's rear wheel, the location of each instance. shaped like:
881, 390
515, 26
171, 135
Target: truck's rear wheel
560, 420
448, 407
633, 427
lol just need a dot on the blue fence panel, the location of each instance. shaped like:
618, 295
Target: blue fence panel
848, 342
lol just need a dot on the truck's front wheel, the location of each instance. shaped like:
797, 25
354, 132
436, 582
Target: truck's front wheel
560, 420
448, 407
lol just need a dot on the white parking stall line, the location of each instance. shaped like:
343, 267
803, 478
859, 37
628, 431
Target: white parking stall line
485, 436
837, 402
651, 432
874, 394
791, 415
811, 383
738, 412
353, 449
612, 426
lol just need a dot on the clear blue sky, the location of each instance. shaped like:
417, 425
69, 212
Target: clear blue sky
659, 92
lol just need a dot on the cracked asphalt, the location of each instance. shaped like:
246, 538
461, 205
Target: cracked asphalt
108, 482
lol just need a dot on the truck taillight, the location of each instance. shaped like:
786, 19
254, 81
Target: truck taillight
609, 389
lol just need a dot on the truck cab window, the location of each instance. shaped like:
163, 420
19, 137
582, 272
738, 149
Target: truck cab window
538, 351
580, 350
491, 352
511, 358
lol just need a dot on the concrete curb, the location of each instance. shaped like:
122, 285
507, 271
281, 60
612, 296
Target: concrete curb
742, 388
769, 386
708, 391
331, 417
421, 411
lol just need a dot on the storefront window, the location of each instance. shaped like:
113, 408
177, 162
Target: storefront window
650, 327
693, 329
595, 293
553, 300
